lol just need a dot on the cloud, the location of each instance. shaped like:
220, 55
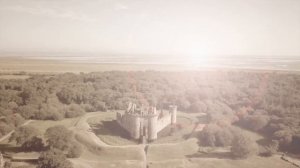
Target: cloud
119, 6
52, 12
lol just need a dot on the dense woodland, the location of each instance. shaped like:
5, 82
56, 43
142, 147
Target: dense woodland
264, 102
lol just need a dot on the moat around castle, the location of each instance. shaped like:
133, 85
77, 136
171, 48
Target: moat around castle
145, 122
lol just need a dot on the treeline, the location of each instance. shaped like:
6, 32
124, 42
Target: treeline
56, 145
242, 145
265, 102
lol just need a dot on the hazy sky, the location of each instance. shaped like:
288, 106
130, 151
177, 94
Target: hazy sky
181, 27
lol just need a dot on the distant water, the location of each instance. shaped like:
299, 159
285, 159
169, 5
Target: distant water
250, 62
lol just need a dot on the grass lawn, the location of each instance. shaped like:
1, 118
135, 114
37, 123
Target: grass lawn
18, 154
184, 128
160, 152
43, 125
108, 156
109, 131
81, 163
255, 136
27, 165
25, 155
256, 161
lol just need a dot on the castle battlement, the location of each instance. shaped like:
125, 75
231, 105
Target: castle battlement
145, 122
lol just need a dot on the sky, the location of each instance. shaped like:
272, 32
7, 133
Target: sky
151, 27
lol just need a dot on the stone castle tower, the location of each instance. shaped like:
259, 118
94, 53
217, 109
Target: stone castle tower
145, 122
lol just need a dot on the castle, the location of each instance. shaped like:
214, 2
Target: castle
145, 122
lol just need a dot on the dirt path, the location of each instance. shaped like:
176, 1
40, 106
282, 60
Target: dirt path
89, 138
11, 132
81, 163
83, 126
83, 129
289, 159
146, 158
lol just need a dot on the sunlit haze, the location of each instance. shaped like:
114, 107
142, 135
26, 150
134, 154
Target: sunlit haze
149, 83
193, 29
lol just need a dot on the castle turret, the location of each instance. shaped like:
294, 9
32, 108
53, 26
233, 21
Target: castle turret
135, 128
152, 127
173, 112
154, 111
145, 122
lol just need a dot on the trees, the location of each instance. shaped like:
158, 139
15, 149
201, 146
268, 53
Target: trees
66, 95
99, 105
255, 122
74, 110
26, 94
198, 107
4, 128
207, 135
183, 104
33, 144
24, 134
28, 138
48, 111
28, 111
14, 120
7, 164
214, 135
270, 149
60, 138
224, 137
284, 136
75, 150
243, 146
53, 158
219, 94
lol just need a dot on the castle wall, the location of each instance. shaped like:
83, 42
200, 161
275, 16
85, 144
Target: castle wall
173, 112
146, 125
130, 123
163, 122
152, 127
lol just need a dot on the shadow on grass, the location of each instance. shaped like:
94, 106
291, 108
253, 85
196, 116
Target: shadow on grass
264, 142
220, 155
9, 148
168, 131
203, 119
111, 128
292, 148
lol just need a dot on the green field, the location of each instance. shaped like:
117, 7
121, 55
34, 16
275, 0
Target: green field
160, 152
256, 161
167, 152
43, 125
108, 130
180, 153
